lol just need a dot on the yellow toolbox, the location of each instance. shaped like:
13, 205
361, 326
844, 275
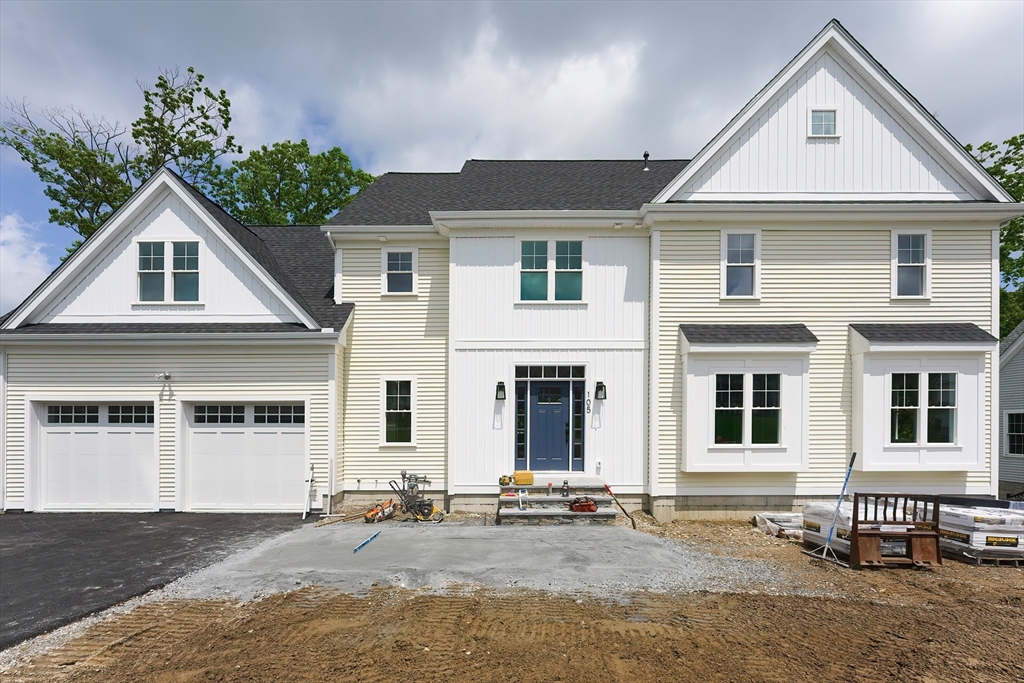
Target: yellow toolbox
523, 478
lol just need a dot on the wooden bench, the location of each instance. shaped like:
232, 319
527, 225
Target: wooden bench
881, 517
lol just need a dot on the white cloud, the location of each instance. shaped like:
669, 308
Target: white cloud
23, 265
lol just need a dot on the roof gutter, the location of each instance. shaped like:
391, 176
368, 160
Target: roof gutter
325, 337
824, 214
446, 221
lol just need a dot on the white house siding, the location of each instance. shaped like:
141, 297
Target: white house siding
215, 373
107, 291
825, 280
875, 153
1011, 400
394, 336
491, 334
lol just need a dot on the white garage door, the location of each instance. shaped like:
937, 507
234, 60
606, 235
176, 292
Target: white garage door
98, 457
247, 457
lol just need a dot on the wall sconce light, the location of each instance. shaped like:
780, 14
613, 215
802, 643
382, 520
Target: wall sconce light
499, 392
165, 376
600, 391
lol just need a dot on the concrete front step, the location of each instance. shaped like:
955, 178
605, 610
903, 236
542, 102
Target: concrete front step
546, 501
554, 516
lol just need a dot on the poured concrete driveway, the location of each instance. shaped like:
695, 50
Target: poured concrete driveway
57, 568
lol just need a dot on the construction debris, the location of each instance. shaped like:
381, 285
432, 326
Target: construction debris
781, 524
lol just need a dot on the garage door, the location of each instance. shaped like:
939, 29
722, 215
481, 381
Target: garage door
96, 456
245, 457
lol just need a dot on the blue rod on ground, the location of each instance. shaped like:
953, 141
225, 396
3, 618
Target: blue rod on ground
358, 547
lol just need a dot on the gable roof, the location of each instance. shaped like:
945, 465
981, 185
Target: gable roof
1011, 344
841, 42
482, 185
288, 272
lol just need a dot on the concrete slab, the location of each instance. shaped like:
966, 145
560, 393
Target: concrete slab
58, 568
605, 560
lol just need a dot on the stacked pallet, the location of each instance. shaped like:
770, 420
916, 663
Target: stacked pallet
818, 519
981, 532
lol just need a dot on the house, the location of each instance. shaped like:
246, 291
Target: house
1011, 422
705, 335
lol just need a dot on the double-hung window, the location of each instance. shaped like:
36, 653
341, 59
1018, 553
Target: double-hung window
535, 283
740, 264
910, 261
398, 411
761, 408
906, 405
1015, 433
399, 272
153, 274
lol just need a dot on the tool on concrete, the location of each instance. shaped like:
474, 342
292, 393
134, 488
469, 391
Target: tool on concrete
826, 549
360, 546
413, 503
628, 516
310, 492
380, 511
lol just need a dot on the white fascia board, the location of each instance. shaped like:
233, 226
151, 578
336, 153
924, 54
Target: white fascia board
837, 38
446, 221
826, 215
685, 347
341, 234
323, 337
1011, 352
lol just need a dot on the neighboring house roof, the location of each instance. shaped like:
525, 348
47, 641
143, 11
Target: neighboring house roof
796, 333
923, 332
148, 328
408, 198
1014, 335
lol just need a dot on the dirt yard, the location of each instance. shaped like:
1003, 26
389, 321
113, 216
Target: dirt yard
955, 623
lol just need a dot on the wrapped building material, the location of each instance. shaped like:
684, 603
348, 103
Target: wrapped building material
982, 531
818, 519
781, 524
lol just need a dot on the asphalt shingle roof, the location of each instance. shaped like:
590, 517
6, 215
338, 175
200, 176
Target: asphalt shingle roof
156, 328
923, 332
1014, 335
407, 198
795, 333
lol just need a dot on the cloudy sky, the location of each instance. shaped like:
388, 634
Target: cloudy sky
424, 86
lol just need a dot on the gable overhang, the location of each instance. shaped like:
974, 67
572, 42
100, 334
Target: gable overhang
447, 221
103, 239
836, 38
1010, 353
838, 215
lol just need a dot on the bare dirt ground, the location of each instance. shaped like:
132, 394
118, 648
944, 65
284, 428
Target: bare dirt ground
955, 623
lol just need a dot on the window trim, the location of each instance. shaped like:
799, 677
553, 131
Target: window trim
894, 264
382, 436
1005, 451
551, 270
747, 408
810, 117
393, 249
724, 264
168, 302
922, 409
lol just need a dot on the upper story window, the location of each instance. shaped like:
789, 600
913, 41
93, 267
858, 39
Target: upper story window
400, 268
153, 273
534, 281
823, 123
911, 257
741, 259
905, 423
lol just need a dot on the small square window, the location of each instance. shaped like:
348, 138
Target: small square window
823, 122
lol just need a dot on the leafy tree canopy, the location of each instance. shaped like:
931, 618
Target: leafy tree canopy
287, 184
1006, 164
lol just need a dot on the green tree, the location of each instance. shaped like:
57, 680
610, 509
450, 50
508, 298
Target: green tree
1006, 165
90, 166
287, 184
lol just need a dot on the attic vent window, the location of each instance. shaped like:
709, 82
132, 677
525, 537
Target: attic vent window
823, 123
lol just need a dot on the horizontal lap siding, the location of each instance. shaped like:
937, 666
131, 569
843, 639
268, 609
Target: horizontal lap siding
218, 373
1011, 393
402, 337
825, 280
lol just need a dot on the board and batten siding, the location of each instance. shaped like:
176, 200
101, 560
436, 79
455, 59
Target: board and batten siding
1011, 400
826, 280
394, 336
108, 290
875, 151
222, 373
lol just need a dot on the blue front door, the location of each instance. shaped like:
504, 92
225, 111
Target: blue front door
549, 426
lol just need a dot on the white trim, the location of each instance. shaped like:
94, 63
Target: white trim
859, 344
549, 345
446, 221
894, 264
810, 125
828, 215
724, 264
100, 242
332, 422
997, 365
345, 234
382, 437
835, 38
338, 261
653, 366
324, 336
3, 430
169, 301
399, 249
826, 492
552, 272
922, 409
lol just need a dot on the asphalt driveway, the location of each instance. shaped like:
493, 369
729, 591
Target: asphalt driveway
57, 568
